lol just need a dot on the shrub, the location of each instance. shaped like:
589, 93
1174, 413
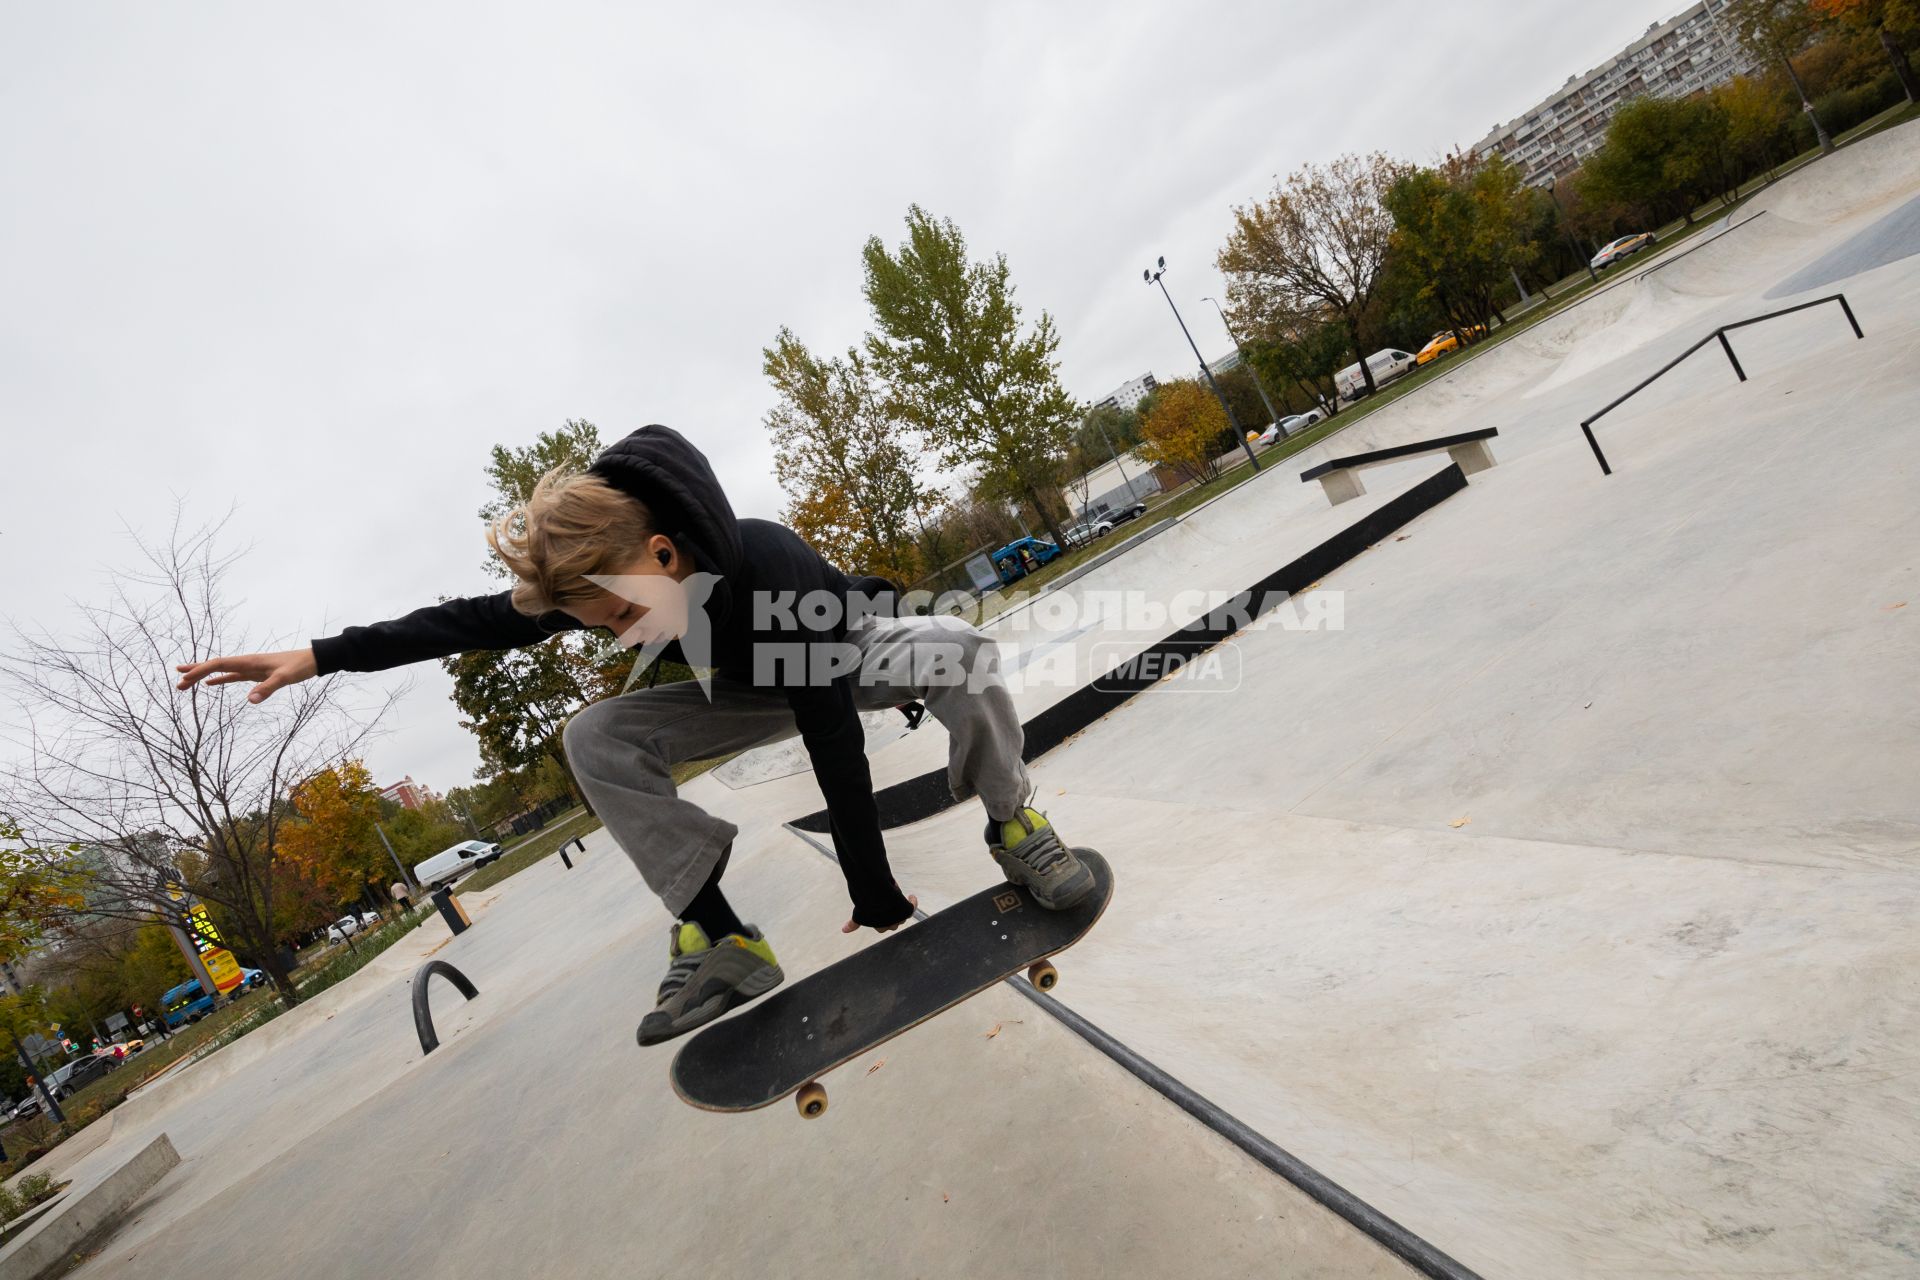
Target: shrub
1842, 109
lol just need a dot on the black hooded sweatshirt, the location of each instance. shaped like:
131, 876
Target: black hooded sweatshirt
660, 468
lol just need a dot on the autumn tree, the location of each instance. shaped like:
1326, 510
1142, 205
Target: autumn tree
980, 388
1316, 246
1182, 429
1757, 125
1888, 20
155, 784
1773, 31
846, 465
334, 842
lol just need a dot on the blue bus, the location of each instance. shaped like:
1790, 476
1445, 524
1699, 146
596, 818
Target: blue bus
186, 1003
1022, 556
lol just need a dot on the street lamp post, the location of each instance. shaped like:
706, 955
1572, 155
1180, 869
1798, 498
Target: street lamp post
1152, 276
1115, 455
1273, 415
1568, 231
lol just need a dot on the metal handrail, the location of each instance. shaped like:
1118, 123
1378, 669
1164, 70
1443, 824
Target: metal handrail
1718, 335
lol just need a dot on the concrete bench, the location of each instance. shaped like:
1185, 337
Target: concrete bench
1340, 477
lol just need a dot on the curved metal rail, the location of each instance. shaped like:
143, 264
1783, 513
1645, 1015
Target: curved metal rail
423, 1010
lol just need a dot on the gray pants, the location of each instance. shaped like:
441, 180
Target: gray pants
623, 748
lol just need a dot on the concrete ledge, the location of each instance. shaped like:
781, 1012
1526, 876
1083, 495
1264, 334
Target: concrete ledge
87, 1217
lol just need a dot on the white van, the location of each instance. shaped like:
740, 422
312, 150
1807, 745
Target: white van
1387, 365
451, 864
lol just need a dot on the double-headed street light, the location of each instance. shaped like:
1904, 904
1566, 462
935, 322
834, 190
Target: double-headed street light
1152, 276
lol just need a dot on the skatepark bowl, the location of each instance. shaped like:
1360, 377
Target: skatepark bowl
1552, 897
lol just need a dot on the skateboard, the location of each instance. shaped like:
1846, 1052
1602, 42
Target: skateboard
783, 1043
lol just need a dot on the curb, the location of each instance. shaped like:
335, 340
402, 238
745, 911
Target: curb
88, 1217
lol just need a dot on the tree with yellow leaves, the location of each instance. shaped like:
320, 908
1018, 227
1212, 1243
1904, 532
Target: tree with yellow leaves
334, 843
1182, 429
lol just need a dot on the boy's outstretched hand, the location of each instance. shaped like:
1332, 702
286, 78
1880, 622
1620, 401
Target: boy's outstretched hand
913, 900
270, 670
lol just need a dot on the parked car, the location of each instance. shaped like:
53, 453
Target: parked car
1289, 425
1132, 511
1446, 342
1022, 556
1087, 530
1624, 247
1387, 364
73, 1076
455, 861
355, 922
249, 980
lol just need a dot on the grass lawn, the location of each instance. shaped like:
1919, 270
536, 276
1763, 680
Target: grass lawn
543, 843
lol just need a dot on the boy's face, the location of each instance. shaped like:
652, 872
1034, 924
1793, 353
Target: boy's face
643, 602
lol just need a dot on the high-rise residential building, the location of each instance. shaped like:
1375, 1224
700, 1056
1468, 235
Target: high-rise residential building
1686, 54
407, 793
1127, 394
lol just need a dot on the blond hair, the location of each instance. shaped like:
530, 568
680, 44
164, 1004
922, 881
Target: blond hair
574, 524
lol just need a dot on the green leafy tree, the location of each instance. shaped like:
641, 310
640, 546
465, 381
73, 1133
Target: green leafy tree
1758, 126
1661, 157
516, 701
1315, 247
1109, 424
418, 834
982, 390
38, 887
151, 967
1462, 229
24, 1015
1237, 387
1302, 355
846, 465
1772, 32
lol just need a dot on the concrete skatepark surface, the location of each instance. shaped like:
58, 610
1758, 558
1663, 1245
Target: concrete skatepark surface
1558, 904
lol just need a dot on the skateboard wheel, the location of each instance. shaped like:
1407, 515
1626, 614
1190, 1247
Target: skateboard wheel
812, 1101
1042, 976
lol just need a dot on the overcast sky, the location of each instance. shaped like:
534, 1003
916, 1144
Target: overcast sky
312, 261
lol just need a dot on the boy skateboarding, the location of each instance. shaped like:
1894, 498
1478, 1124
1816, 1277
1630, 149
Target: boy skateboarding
645, 544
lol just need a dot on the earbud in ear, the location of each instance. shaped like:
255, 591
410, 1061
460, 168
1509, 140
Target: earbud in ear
665, 558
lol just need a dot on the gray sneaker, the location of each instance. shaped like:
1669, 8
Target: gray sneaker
705, 979
1031, 855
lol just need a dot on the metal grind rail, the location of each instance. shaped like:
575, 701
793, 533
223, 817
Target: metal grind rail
1718, 335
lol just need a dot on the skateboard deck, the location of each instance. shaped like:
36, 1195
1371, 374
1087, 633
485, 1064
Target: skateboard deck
784, 1042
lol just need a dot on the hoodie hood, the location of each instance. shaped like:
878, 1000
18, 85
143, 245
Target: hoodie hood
658, 466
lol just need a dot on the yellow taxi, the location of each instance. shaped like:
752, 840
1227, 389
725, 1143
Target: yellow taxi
1445, 341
